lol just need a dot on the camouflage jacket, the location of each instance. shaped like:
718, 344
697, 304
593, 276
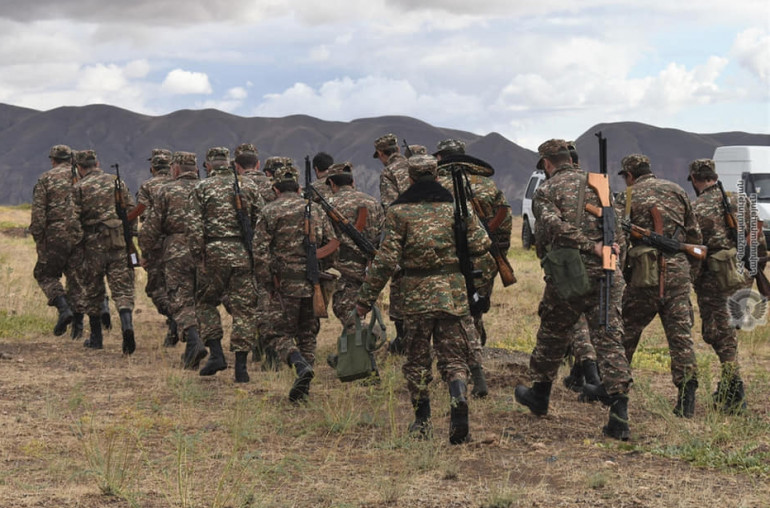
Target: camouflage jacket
352, 262
93, 203
280, 249
418, 236
323, 189
555, 205
52, 204
165, 229
213, 229
679, 221
489, 197
263, 183
394, 179
149, 188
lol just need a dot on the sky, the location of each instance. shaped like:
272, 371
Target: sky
527, 70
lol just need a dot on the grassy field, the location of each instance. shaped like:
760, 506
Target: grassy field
84, 428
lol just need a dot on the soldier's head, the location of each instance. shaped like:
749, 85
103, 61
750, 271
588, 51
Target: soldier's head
161, 162
273, 163
155, 152
339, 175
702, 174
247, 156
86, 159
449, 147
553, 153
573, 152
385, 146
60, 153
321, 163
217, 157
422, 168
286, 179
633, 166
184, 162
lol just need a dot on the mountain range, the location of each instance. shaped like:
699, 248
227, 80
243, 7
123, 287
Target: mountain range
127, 138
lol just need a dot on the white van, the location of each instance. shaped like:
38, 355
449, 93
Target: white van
751, 166
528, 223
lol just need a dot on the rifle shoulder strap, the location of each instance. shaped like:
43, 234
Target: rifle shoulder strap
581, 201
629, 191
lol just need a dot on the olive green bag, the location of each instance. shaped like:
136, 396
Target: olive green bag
643, 262
724, 265
355, 350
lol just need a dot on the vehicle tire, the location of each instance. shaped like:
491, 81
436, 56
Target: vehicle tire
526, 235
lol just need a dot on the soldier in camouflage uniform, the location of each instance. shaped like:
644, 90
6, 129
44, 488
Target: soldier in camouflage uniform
224, 267
247, 163
555, 205
164, 233
52, 229
394, 180
418, 235
717, 329
418, 150
322, 161
280, 260
643, 299
102, 248
160, 167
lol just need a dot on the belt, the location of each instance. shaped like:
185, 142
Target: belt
427, 272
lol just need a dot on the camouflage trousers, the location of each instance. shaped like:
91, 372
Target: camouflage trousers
451, 336
344, 302
156, 285
97, 263
640, 305
396, 298
557, 321
293, 326
179, 276
53, 261
220, 281
715, 318
582, 347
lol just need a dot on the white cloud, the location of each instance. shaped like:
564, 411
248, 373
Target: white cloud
184, 82
237, 93
752, 50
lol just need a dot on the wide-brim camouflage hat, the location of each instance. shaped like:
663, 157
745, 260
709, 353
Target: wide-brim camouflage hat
635, 164
340, 168
60, 152
245, 148
422, 167
450, 146
160, 151
273, 163
285, 174
384, 142
551, 148
702, 169
218, 155
185, 158
84, 156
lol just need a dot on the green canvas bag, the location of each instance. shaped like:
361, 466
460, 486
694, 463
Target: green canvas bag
565, 268
724, 265
643, 261
355, 350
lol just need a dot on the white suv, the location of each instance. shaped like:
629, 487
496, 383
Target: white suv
528, 224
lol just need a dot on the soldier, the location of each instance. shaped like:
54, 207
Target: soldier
280, 260
568, 230
160, 167
657, 283
102, 248
52, 229
418, 150
218, 246
717, 328
165, 232
322, 161
394, 180
247, 163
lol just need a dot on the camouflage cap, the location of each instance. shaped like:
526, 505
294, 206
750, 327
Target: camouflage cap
245, 148
340, 168
159, 151
185, 158
702, 169
161, 160
635, 165
218, 155
450, 146
383, 142
422, 167
84, 156
285, 173
60, 152
273, 163
418, 150
551, 148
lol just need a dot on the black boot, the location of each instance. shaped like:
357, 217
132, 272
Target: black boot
77, 326
458, 423
480, 389
730, 396
420, 428
685, 400
106, 320
535, 398
194, 350
591, 372
172, 335
95, 339
241, 374
301, 387
594, 392
397, 346
216, 361
574, 381
617, 427
65, 315
127, 327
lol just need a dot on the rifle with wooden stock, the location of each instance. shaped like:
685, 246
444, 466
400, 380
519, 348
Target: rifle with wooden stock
352, 231
313, 273
663, 243
244, 221
120, 209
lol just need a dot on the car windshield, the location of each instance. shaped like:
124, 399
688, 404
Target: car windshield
761, 185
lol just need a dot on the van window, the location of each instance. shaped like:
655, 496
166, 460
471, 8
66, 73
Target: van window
532, 186
761, 185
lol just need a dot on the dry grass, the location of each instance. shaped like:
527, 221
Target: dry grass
91, 428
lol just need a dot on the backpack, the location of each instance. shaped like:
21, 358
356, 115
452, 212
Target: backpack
355, 358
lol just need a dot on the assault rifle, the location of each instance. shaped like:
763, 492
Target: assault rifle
478, 304
244, 221
352, 231
313, 273
120, 209
407, 150
663, 243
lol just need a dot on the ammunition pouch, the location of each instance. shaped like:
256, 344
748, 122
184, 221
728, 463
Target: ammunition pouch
642, 261
724, 265
565, 269
112, 233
